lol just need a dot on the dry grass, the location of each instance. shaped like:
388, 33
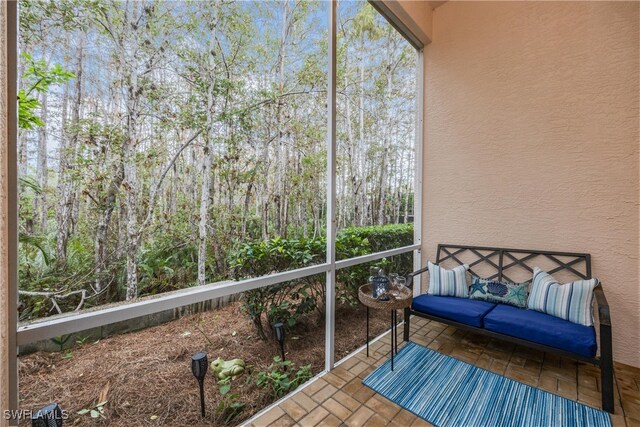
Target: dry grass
147, 373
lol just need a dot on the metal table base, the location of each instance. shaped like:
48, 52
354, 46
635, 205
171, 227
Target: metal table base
394, 334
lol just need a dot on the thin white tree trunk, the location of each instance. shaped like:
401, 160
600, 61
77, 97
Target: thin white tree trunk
353, 151
384, 163
131, 185
405, 189
130, 181
40, 201
362, 145
205, 196
100, 247
66, 192
207, 160
282, 155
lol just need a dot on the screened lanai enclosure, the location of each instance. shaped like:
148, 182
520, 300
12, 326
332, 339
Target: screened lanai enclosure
180, 188
319, 213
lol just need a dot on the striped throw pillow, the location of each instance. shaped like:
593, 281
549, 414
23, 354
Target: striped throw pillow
445, 282
571, 301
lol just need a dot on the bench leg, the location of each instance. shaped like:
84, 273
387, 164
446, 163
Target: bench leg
607, 386
407, 317
606, 368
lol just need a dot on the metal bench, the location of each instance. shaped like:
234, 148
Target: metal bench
499, 264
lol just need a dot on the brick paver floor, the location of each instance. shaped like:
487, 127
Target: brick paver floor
339, 398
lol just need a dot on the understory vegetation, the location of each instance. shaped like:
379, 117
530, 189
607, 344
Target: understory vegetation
286, 302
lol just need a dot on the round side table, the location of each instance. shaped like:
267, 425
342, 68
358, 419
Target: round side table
403, 300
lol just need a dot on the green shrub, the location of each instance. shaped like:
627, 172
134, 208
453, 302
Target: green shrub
286, 302
167, 265
281, 377
378, 238
229, 405
382, 237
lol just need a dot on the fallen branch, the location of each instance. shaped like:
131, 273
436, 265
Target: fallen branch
56, 296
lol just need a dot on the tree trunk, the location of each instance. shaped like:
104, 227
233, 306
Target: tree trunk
40, 200
109, 205
205, 197
66, 192
387, 143
281, 159
353, 153
362, 145
130, 182
405, 190
22, 133
245, 211
121, 244
207, 160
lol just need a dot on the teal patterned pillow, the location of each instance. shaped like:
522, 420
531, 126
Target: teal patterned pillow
499, 292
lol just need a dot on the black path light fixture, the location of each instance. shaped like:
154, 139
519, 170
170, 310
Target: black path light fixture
199, 366
278, 330
48, 416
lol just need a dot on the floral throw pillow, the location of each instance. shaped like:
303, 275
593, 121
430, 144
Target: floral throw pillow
499, 292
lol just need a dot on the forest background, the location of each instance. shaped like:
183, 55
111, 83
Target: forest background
163, 143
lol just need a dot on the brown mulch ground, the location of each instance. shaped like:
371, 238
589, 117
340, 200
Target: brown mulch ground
147, 374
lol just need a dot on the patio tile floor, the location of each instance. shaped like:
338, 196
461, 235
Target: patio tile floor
339, 398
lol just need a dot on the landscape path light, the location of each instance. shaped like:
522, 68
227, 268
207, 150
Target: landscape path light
278, 329
48, 416
199, 366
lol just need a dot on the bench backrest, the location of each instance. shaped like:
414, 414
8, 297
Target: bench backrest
515, 265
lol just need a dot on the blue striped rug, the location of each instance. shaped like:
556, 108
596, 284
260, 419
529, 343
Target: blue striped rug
448, 392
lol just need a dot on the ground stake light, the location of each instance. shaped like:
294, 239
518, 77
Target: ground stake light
199, 365
48, 416
278, 329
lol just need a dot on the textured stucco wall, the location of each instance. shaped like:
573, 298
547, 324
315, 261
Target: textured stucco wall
420, 15
531, 138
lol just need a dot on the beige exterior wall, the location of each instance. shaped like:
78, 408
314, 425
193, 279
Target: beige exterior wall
416, 15
531, 138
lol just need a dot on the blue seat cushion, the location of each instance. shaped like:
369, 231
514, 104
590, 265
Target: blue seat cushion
462, 310
542, 328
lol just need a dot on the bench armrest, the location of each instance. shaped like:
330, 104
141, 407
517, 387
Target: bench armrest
603, 306
410, 276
